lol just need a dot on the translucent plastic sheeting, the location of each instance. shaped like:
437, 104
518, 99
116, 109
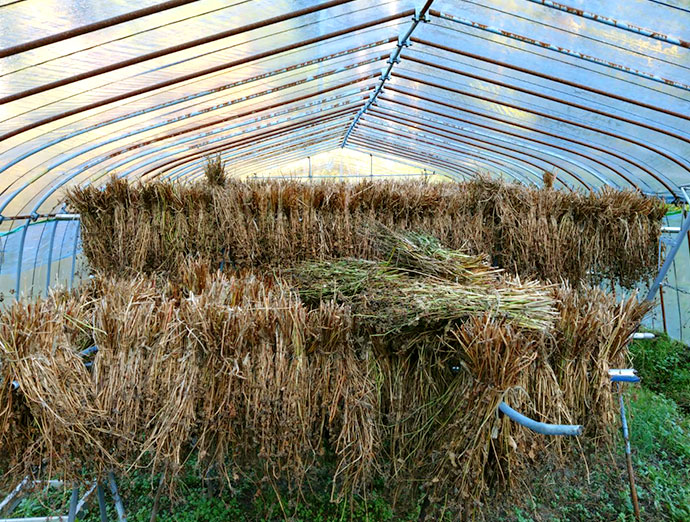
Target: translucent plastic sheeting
597, 91
38, 256
348, 165
672, 315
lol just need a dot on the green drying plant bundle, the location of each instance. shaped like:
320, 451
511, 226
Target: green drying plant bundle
545, 234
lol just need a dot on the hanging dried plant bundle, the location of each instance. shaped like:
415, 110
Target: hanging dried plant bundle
238, 369
547, 234
235, 368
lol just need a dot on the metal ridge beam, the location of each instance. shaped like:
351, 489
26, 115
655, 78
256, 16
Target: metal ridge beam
395, 58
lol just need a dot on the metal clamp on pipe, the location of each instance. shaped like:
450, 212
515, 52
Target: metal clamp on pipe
642, 335
540, 427
624, 375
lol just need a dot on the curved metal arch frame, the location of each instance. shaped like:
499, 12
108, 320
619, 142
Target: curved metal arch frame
509, 167
46, 169
495, 141
513, 123
494, 134
455, 137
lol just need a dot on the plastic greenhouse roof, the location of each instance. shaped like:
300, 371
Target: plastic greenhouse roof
598, 90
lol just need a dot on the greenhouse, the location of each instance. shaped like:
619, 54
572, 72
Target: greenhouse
344, 260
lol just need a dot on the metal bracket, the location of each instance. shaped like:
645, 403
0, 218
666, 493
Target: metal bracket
624, 375
420, 17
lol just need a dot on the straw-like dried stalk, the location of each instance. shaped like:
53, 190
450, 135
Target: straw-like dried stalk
547, 234
255, 379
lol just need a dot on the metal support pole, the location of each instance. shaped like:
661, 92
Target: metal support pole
82, 500
50, 256
20, 260
5, 504
101, 502
685, 216
74, 499
74, 255
684, 229
371, 166
309, 158
628, 456
119, 507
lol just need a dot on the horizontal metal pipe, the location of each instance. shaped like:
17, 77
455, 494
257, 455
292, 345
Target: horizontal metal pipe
555, 79
656, 35
89, 28
197, 74
339, 176
540, 427
624, 375
643, 335
562, 50
33, 217
168, 50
